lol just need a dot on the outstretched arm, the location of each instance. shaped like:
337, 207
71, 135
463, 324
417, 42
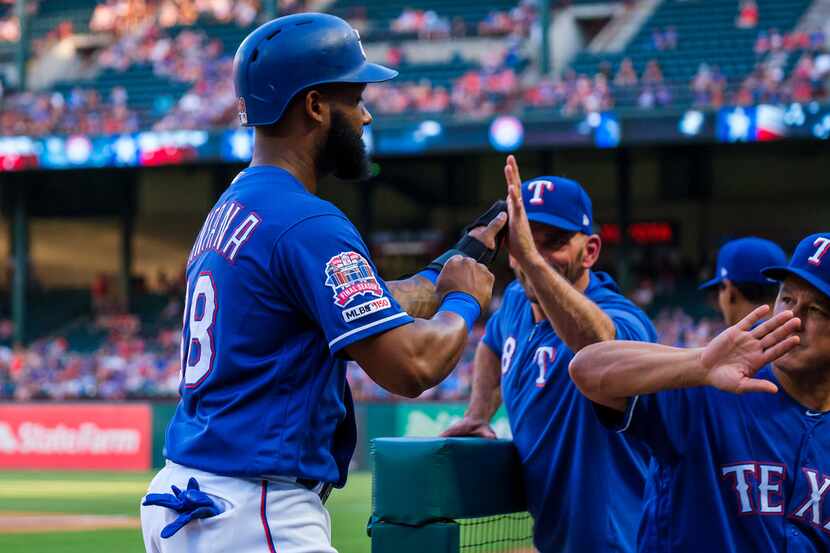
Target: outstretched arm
608, 373
414, 357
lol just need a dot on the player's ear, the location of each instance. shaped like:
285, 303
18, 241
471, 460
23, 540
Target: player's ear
316, 107
590, 250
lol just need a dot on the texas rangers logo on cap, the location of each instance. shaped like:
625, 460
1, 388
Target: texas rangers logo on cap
350, 275
822, 243
538, 188
809, 263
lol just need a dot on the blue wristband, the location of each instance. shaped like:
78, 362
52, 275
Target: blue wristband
429, 274
463, 304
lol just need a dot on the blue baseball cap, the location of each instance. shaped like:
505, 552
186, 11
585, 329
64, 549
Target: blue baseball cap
558, 202
810, 261
741, 261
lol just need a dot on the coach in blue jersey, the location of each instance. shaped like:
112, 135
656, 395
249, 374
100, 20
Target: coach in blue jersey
584, 485
742, 448
740, 284
281, 290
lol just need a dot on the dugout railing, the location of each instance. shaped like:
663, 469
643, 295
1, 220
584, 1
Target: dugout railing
447, 495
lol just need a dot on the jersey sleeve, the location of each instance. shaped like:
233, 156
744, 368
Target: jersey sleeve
324, 265
629, 321
665, 422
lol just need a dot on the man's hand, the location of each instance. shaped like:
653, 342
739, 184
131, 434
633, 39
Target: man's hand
482, 240
464, 274
488, 235
519, 238
470, 426
736, 354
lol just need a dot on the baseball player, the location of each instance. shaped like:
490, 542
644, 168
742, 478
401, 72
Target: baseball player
740, 285
741, 447
281, 291
584, 485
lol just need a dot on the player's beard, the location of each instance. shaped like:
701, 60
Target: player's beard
343, 152
572, 272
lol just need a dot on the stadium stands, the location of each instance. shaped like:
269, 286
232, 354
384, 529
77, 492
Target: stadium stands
429, 14
705, 33
173, 70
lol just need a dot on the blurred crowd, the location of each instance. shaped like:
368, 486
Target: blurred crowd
492, 87
129, 362
158, 36
9, 23
792, 67
122, 16
188, 57
118, 356
428, 24
497, 87
77, 111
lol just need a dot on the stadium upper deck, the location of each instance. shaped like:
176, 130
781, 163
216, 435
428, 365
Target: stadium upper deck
164, 65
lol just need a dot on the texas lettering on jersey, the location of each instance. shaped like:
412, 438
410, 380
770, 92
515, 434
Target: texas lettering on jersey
214, 235
758, 489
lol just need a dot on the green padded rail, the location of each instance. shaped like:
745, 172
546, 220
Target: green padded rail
417, 481
441, 537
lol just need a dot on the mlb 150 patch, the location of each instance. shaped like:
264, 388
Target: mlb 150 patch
361, 310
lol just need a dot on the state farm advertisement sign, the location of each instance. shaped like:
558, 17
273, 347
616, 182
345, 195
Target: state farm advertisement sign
75, 436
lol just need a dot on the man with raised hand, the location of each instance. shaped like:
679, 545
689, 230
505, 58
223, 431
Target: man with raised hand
584, 485
739, 430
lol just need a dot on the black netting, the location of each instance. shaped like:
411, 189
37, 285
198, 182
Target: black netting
503, 534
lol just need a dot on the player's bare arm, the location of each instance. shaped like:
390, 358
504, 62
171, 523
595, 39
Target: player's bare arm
485, 397
412, 358
575, 318
609, 373
417, 295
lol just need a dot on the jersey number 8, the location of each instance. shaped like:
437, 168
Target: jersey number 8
199, 318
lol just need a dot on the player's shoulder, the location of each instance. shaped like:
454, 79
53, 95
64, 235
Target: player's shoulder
513, 298
514, 290
604, 289
283, 202
605, 293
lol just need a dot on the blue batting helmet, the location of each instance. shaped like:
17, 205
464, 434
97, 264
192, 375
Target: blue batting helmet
289, 54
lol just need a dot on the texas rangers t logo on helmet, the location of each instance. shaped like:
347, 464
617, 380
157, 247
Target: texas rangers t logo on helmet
538, 187
822, 243
362, 51
350, 275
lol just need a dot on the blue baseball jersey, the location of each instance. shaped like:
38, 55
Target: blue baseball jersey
278, 283
584, 484
734, 473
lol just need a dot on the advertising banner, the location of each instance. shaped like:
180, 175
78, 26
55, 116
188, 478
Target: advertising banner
75, 436
430, 419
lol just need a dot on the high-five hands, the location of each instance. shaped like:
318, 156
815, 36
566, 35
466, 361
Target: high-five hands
519, 238
736, 354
